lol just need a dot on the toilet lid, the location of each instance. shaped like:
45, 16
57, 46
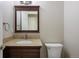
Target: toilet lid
53, 45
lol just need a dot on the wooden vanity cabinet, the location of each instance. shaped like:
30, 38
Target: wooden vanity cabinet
22, 52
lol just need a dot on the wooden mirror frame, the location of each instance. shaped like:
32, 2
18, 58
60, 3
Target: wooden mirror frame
26, 8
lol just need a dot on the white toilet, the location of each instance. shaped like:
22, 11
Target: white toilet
54, 50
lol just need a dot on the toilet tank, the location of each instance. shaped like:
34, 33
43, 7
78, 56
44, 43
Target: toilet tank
54, 50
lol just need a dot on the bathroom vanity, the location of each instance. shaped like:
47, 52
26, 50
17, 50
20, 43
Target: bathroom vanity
26, 21
18, 50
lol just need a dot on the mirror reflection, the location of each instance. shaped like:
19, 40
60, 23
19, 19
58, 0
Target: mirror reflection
27, 20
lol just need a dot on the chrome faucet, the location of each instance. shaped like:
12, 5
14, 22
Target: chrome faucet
24, 36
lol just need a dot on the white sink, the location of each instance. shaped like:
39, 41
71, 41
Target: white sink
24, 42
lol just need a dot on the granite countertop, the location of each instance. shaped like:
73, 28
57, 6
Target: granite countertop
12, 42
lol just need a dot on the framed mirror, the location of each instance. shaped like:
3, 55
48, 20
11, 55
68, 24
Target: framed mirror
26, 18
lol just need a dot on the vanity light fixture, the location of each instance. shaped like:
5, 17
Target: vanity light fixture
26, 2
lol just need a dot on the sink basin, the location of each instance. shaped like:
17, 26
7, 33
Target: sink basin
24, 42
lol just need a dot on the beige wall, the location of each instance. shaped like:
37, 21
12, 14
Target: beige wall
71, 28
51, 21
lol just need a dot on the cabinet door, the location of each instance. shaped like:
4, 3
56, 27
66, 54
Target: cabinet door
22, 52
